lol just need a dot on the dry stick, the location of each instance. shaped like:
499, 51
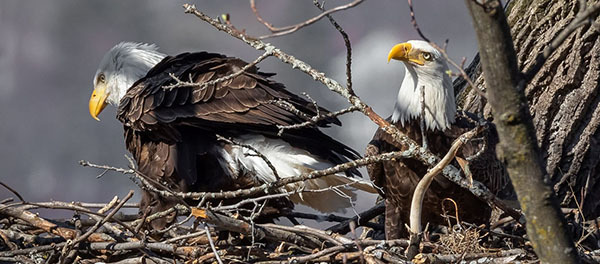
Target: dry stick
305, 230
143, 259
188, 236
154, 246
450, 172
346, 42
416, 206
37, 221
265, 188
79, 205
324, 252
260, 231
413, 21
106, 219
293, 28
94, 215
32, 250
422, 123
480, 257
315, 119
74, 243
212, 245
365, 217
13, 191
423, 185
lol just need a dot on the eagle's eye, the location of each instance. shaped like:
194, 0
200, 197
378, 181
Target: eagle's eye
101, 78
427, 56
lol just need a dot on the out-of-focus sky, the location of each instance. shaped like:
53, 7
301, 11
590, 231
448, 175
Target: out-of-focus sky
49, 52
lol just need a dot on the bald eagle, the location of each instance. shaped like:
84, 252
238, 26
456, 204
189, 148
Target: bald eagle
172, 131
427, 69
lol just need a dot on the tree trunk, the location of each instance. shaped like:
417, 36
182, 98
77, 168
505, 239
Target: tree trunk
563, 97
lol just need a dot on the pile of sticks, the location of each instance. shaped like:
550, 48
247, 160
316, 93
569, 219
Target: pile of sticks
99, 232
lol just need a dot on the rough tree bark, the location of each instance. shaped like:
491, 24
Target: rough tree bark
546, 226
563, 97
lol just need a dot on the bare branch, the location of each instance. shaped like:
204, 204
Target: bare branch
12, 190
423, 185
277, 32
316, 119
413, 21
346, 42
212, 245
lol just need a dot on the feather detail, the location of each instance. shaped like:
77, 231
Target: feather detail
337, 190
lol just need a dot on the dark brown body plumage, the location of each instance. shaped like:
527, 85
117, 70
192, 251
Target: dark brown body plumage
172, 132
398, 178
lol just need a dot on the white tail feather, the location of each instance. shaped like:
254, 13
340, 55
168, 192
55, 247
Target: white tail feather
332, 193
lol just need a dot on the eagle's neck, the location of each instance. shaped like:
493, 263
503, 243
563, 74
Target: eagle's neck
440, 106
130, 66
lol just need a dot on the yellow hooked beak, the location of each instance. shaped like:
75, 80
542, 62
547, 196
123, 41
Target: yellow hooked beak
98, 100
404, 52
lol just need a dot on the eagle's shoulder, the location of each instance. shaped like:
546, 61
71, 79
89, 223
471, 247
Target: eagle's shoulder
220, 90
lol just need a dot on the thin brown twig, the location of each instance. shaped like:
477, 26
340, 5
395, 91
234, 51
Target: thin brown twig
71, 244
12, 190
423, 185
316, 119
281, 31
346, 42
413, 21
76, 207
212, 245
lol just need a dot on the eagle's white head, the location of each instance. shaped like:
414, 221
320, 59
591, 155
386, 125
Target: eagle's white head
426, 68
121, 66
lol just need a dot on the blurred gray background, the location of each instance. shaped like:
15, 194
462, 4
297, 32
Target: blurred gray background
49, 51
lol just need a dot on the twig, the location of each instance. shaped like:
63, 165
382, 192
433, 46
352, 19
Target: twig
212, 245
346, 42
422, 123
13, 191
191, 235
413, 21
365, 217
70, 245
265, 188
280, 31
76, 207
323, 252
45, 225
316, 119
483, 257
423, 185
104, 220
